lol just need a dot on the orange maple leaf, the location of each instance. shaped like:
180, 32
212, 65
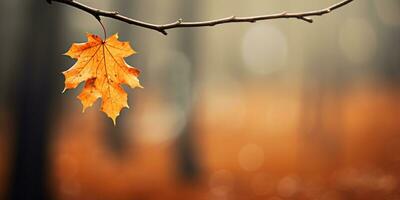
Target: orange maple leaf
100, 63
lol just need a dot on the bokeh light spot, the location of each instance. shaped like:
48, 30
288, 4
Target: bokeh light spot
251, 157
287, 186
221, 182
264, 49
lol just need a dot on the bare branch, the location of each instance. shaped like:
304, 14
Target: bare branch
162, 28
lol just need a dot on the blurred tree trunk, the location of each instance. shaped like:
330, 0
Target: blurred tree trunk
37, 85
321, 119
186, 143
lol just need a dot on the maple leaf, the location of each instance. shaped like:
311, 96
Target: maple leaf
100, 63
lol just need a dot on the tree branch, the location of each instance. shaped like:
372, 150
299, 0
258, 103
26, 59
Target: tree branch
162, 28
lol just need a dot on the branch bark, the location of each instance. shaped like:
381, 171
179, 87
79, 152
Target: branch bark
162, 28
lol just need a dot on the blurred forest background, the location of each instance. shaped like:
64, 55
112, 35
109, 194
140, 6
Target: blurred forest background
275, 110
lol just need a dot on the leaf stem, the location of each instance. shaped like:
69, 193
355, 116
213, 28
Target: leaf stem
104, 29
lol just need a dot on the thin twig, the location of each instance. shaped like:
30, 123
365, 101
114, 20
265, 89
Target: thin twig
162, 28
